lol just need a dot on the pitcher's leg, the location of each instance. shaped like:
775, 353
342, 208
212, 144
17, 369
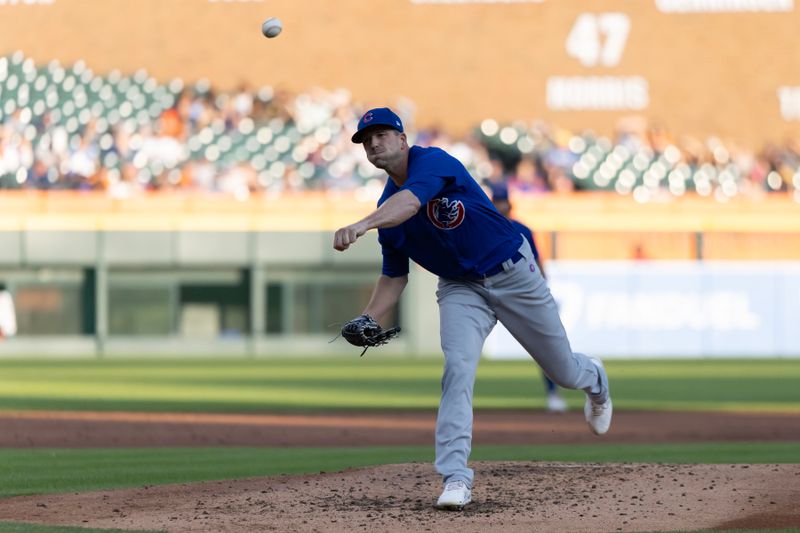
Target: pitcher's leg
466, 321
527, 309
531, 315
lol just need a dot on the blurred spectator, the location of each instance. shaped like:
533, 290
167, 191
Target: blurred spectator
128, 134
171, 124
528, 178
8, 316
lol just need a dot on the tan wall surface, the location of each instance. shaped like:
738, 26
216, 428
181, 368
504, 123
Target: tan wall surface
709, 73
578, 213
577, 226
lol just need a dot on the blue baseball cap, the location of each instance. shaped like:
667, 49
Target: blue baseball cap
380, 116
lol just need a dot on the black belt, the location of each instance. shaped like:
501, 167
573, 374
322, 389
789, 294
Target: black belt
494, 270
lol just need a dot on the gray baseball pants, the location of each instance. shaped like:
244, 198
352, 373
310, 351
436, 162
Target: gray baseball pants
468, 310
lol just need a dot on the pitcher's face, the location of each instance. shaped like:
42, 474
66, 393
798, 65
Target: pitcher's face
384, 146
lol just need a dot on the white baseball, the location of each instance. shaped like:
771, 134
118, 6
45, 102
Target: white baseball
271, 27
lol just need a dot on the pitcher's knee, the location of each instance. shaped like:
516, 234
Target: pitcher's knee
564, 381
578, 373
565, 376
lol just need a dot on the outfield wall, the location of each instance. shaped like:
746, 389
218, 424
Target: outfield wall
673, 308
203, 274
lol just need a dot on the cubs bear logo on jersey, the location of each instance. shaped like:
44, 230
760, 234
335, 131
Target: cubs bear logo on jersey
445, 213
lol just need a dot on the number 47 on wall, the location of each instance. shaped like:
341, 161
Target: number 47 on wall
598, 39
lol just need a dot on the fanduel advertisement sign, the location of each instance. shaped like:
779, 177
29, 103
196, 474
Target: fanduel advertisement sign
666, 308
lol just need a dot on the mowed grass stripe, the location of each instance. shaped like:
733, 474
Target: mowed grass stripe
721, 388
58, 470
291, 384
366, 368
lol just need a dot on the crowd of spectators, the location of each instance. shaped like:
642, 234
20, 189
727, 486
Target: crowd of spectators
69, 128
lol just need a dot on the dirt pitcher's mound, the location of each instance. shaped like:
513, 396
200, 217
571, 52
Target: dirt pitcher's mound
547, 497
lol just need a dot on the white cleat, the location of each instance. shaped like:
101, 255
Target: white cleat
556, 404
598, 415
455, 496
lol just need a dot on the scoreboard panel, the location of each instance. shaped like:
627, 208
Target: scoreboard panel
728, 68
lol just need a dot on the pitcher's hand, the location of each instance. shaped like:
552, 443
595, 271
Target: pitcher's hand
347, 235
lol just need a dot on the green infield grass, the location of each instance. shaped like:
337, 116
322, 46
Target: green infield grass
41, 471
372, 382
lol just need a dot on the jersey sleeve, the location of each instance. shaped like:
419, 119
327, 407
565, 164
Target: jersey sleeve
395, 264
430, 174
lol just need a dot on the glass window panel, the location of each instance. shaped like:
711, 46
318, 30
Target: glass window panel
48, 309
274, 308
235, 320
139, 311
323, 307
302, 308
340, 303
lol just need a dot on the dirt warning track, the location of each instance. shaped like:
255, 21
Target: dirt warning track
66, 429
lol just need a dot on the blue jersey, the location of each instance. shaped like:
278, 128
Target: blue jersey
457, 232
528, 234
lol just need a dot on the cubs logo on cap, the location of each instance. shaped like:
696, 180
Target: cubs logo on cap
380, 116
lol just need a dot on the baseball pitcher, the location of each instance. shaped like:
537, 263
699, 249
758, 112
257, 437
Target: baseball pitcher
434, 213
